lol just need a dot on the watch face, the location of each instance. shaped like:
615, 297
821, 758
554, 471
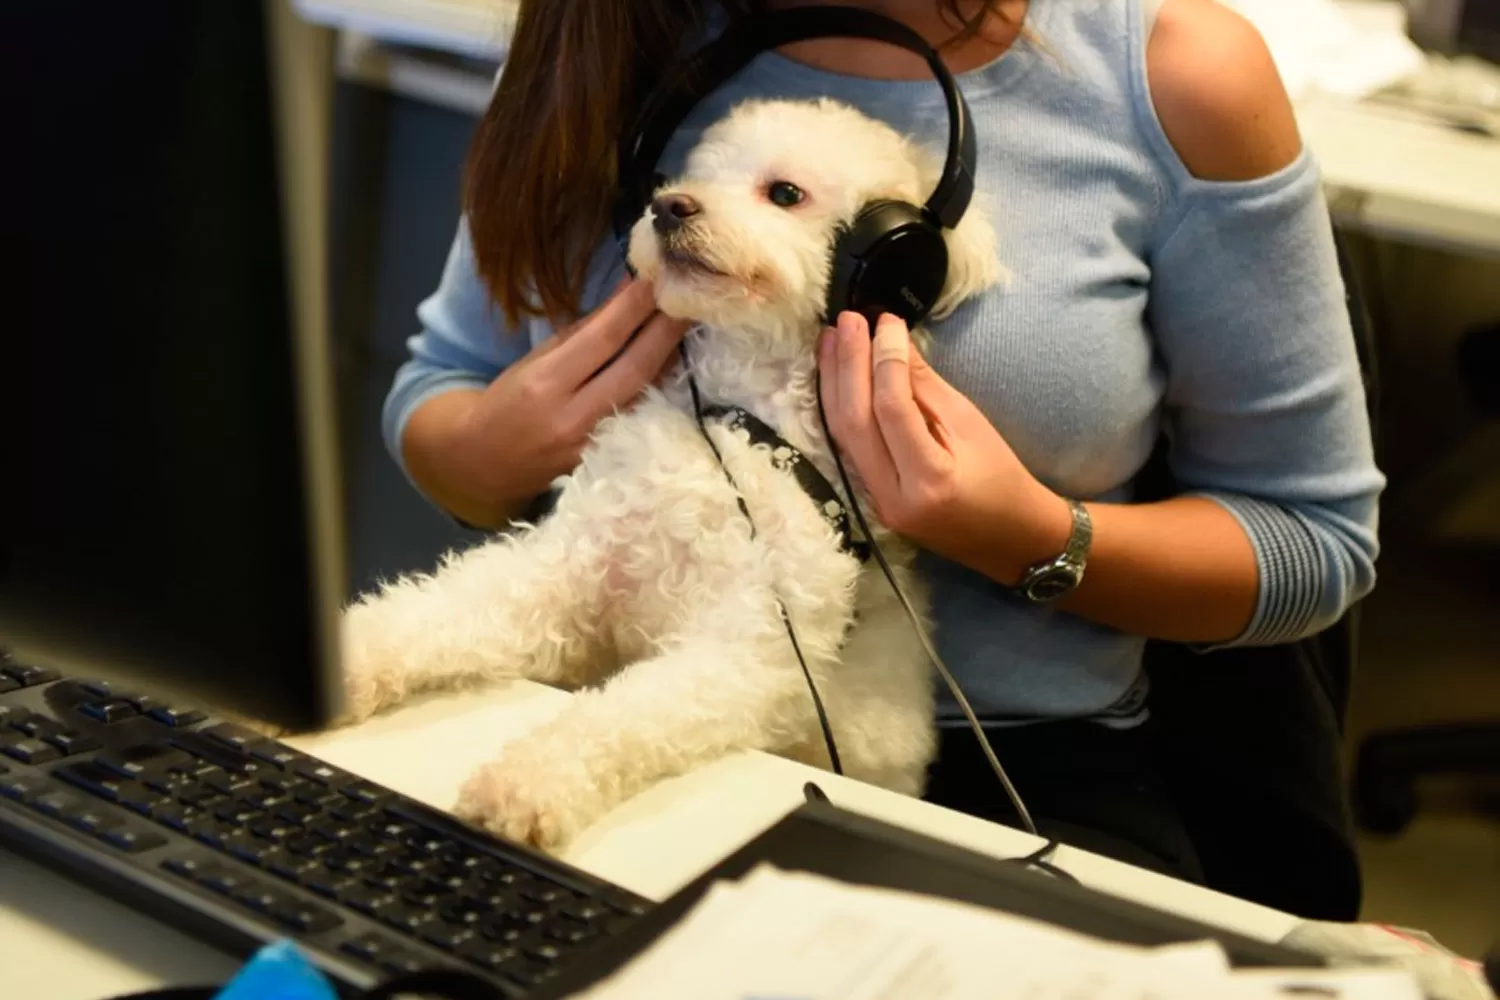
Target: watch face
1052, 583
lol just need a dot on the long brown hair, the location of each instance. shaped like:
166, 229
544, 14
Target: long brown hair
540, 174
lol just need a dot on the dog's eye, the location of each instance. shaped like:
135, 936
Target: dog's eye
784, 193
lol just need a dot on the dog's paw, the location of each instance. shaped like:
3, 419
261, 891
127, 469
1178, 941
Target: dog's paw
536, 805
373, 675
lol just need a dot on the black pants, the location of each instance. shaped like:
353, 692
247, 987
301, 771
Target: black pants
1085, 785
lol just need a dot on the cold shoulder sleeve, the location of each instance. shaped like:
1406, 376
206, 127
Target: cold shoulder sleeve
1265, 405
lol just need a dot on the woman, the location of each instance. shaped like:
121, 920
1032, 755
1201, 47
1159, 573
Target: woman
1172, 271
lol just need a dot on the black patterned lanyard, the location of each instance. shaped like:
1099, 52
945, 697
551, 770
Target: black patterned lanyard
788, 459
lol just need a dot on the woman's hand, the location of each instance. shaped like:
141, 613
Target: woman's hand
484, 454
936, 470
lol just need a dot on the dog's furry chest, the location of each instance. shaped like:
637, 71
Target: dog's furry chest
651, 500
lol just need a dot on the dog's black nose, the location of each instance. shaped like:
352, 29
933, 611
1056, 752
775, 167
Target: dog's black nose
670, 210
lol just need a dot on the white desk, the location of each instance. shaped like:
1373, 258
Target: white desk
66, 943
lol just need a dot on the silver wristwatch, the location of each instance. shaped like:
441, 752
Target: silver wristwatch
1052, 578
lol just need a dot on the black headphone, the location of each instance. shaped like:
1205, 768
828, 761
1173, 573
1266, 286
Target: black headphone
892, 257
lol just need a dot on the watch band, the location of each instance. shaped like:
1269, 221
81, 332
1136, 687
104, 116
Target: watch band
1082, 535
1052, 578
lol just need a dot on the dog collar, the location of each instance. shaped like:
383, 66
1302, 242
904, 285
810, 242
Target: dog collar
788, 459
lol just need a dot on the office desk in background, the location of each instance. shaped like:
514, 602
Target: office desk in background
59, 941
1407, 181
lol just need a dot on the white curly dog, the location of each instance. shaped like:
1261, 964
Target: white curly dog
647, 591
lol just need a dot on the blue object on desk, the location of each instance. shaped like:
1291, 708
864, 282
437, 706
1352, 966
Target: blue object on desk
278, 972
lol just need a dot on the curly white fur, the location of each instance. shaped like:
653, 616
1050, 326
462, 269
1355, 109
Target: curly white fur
645, 591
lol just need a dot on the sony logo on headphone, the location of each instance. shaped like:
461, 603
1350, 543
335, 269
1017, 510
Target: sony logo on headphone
906, 293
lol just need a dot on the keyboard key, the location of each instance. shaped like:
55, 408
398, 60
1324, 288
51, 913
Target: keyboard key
232, 782
305, 917
264, 798
29, 676
354, 812
59, 805
488, 955
141, 761
406, 918
570, 934
31, 751
277, 755
39, 727
70, 742
98, 689
544, 954
260, 897
268, 828
368, 947
188, 868
200, 795
133, 841
330, 884
237, 812
93, 779
94, 820
289, 866
13, 715
446, 936
178, 817
114, 710
223, 879
283, 783
8, 684
323, 774
236, 737
20, 789
176, 717
140, 799
584, 911
363, 791
366, 899
247, 849
213, 832
402, 963
317, 798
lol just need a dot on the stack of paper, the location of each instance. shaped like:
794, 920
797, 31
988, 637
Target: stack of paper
793, 936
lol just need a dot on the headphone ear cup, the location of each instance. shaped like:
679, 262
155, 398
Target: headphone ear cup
890, 259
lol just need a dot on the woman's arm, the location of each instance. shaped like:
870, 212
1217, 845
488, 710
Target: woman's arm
1275, 534
482, 423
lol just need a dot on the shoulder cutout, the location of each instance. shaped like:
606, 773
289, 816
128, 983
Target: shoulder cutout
1218, 94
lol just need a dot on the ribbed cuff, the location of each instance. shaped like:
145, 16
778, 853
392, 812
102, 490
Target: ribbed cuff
1291, 570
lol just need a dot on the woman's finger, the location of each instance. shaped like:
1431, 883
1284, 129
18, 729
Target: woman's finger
859, 434
603, 337
902, 424
640, 362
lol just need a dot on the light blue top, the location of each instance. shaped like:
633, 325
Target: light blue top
1142, 300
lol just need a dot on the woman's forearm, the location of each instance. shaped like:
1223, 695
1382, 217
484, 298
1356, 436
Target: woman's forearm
436, 453
1181, 569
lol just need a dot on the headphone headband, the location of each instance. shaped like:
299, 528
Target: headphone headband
703, 72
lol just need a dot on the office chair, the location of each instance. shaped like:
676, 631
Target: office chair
1250, 740
1390, 762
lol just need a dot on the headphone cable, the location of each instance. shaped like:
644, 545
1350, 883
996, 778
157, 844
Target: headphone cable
786, 618
916, 624
1037, 858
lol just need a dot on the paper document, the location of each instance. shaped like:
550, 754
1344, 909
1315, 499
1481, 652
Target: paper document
793, 936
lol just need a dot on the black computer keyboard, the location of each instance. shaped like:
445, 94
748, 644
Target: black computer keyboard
240, 840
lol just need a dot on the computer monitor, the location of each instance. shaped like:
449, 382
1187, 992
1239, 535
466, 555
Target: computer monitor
169, 488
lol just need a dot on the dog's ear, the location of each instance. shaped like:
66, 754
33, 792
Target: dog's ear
973, 258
